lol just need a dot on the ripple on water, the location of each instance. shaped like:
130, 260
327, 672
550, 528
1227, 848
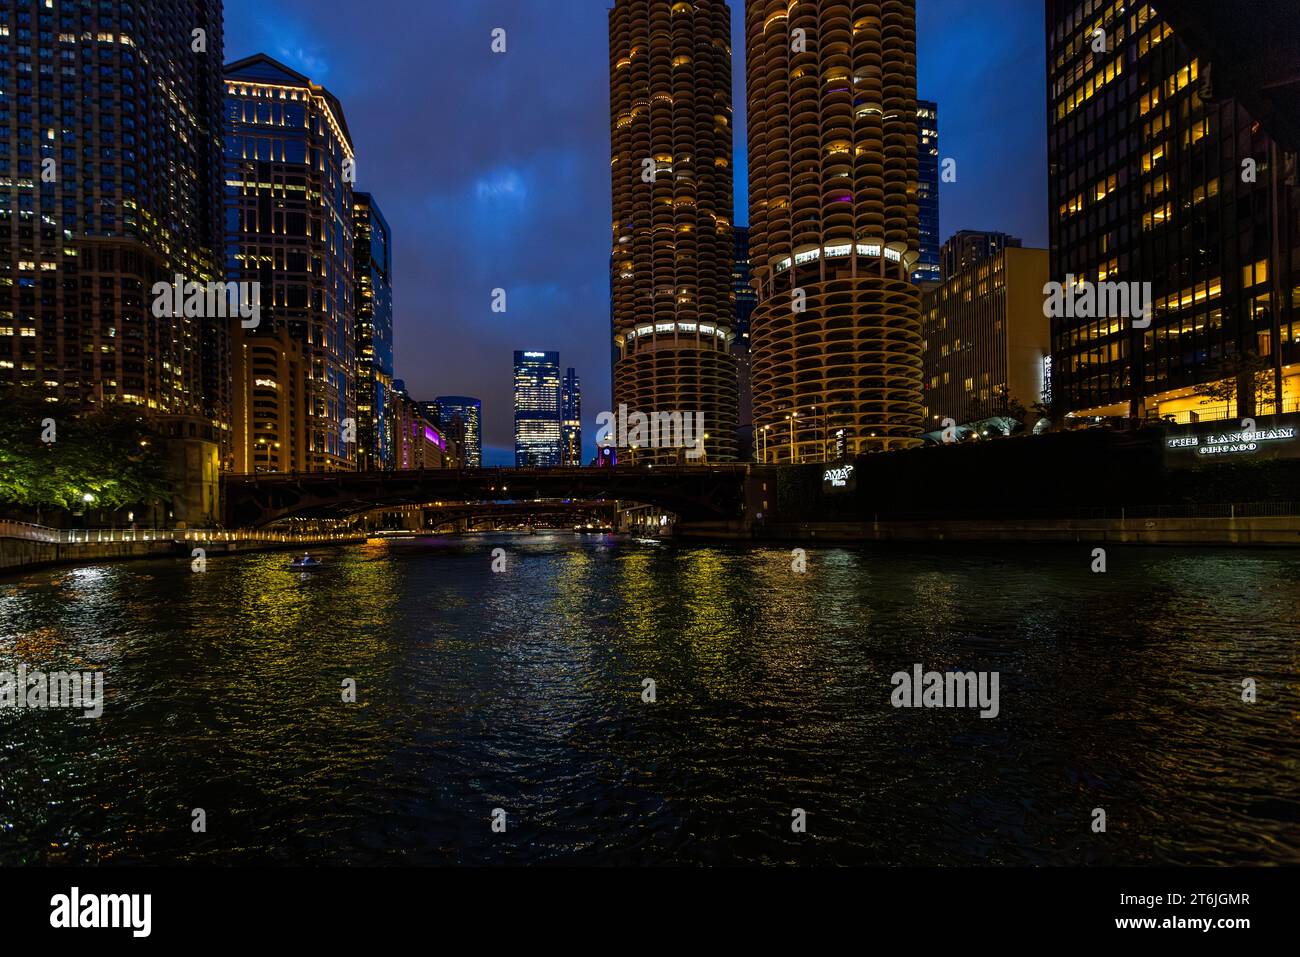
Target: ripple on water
523, 691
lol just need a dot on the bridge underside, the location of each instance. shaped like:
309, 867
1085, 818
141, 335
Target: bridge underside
474, 516
692, 493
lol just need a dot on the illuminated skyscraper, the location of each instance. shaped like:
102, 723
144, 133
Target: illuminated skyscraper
110, 182
374, 329
834, 225
289, 208
927, 191
462, 416
537, 409
1159, 174
571, 419
670, 100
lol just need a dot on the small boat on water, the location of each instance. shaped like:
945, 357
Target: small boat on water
306, 563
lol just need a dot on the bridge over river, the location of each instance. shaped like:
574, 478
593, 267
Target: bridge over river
701, 494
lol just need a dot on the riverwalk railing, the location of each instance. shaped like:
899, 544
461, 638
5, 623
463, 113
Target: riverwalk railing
1099, 513
193, 536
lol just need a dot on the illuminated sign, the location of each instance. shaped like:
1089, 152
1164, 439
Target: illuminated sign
534, 355
838, 479
1231, 443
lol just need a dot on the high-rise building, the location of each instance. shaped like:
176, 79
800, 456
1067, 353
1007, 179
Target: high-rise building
537, 409
110, 182
673, 245
418, 442
987, 341
746, 299
1155, 177
927, 191
966, 247
374, 330
833, 226
571, 419
289, 211
461, 416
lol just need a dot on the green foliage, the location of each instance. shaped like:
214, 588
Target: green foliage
1249, 374
110, 453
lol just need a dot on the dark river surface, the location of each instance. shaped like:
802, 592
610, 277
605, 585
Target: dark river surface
522, 690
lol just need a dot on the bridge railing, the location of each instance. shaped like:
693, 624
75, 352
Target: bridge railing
197, 536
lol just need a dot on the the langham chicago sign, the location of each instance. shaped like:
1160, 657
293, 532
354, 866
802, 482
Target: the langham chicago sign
1247, 440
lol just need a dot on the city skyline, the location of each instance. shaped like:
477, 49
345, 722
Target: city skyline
539, 177
867, 452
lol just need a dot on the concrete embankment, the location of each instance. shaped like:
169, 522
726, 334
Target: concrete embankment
1226, 532
18, 554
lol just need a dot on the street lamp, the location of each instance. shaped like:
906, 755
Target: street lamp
825, 428
791, 418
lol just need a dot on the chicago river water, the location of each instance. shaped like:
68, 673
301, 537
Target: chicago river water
523, 690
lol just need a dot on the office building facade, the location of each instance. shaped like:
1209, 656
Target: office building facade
289, 215
927, 192
986, 339
110, 172
461, 416
373, 299
537, 409
571, 419
418, 442
967, 247
1156, 179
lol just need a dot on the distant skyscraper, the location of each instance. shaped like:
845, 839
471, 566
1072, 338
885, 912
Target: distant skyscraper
537, 409
966, 247
1150, 182
834, 225
374, 328
418, 442
290, 212
673, 247
462, 416
571, 419
927, 190
110, 182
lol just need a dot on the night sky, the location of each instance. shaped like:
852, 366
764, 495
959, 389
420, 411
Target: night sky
493, 170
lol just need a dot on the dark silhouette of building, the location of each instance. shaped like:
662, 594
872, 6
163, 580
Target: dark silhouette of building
966, 247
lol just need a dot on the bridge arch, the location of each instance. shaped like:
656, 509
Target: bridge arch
699, 493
